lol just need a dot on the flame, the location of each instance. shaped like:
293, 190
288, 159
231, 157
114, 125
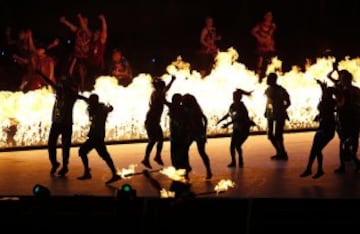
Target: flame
223, 186
125, 172
28, 115
166, 194
174, 174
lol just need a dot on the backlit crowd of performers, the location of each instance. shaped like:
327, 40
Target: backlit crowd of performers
87, 60
339, 112
339, 107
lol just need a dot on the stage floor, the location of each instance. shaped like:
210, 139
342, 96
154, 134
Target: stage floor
269, 196
260, 177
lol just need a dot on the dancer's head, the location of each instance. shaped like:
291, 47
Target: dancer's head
272, 79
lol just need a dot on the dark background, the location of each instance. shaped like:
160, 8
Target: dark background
152, 33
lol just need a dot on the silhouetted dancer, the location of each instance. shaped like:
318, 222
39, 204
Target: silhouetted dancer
325, 132
197, 129
241, 126
153, 119
98, 113
278, 101
62, 120
348, 118
179, 128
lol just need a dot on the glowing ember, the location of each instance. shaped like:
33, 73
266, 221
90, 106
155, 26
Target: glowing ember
166, 194
25, 118
127, 172
174, 174
223, 186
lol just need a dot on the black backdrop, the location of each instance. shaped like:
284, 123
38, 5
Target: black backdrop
153, 33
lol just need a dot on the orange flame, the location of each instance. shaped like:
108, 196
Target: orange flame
223, 186
166, 194
29, 114
174, 174
126, 172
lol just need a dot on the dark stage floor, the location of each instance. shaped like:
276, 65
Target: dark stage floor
267, 196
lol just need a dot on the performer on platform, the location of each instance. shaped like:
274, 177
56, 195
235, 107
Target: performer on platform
263, 32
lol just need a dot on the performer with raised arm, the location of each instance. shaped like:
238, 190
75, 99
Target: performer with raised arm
98, 113
153, 119
325, 132
79, 60
62, 120
37, 59
347, 117
97, 53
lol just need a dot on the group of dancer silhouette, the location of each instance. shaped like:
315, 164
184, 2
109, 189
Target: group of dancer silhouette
86, 61
66, 94
339, 107
339, 112
188, 124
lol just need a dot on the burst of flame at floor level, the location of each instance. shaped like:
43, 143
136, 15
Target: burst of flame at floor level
166, 194
25, 118
221, 187
224, 185
174, 174
127, 172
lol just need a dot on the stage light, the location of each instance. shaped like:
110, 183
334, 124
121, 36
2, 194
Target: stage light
41, 191
126, 192
126, 188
